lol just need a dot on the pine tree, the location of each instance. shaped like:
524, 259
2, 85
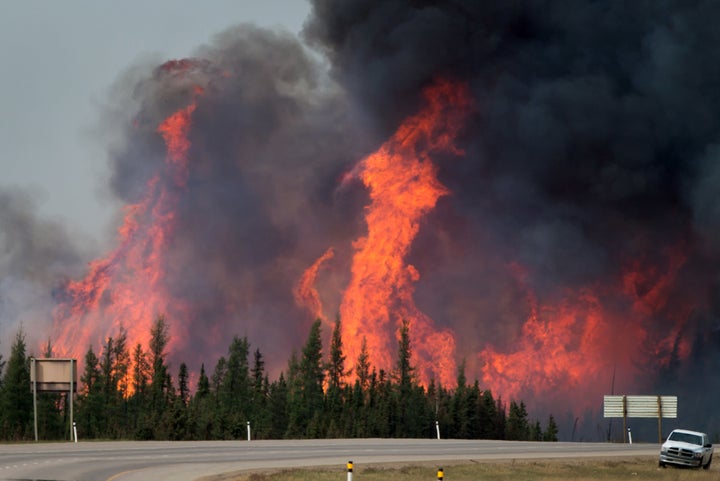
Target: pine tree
404, 371
487, 416
362, 368
536, 432
183, 386
336, 367
517, 428
235, 389
121, 364
305, 384
459, 406
551, 432
336, 384
90, 409
180, 428
258, 370
278, 396
406, 400
500, 419
202, 409
217, 420
203, 383
17, 402
260, 413
141, 370
156, 424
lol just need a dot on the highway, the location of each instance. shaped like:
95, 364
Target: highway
191, 460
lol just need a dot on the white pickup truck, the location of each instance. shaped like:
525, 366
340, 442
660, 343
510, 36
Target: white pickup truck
686, 448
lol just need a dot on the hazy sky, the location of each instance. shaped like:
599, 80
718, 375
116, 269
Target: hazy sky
59, 60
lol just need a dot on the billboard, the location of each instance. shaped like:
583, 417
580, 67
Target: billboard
54, 375
640, 406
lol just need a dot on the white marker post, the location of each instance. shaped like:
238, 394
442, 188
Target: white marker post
629, 436
349, 470
75, 430
248, 430
437, 429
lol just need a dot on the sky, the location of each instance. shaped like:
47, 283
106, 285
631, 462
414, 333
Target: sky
59, 62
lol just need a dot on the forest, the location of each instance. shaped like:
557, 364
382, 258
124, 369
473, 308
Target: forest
129, 392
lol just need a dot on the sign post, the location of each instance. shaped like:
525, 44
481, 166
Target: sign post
53, 375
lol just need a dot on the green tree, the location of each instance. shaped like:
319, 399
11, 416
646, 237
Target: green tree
551, 431
260, 410
235, 389
459, 406
404, 371
362, 368
180, 426
336, 366
410, 408
517, 428
160, 386
17, 401
306, 395
487, 416
141, 370
278, 394
203, 383
90, 408
183, 384
201, 409
336, 384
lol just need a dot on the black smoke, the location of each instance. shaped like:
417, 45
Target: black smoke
594, 145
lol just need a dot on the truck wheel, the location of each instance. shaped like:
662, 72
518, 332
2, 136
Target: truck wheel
661, 464
707, 466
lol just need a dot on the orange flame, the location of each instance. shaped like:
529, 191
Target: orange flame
403, 187
305, 293
125, 289
573, 349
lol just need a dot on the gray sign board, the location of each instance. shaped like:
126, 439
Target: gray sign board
640, 406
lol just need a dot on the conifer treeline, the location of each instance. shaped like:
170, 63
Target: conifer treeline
127, 392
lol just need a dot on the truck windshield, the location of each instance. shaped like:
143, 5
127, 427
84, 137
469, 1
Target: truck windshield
686, 438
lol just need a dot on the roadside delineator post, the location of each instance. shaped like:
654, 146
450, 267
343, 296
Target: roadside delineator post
349, 470
441, 474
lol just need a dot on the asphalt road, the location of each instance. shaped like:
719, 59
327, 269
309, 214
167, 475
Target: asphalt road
188, 461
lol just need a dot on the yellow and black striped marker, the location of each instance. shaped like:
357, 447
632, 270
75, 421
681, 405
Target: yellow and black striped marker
441, 474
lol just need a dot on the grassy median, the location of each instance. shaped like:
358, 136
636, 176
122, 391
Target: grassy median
638, 468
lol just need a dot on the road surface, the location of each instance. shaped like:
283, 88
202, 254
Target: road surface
191, 460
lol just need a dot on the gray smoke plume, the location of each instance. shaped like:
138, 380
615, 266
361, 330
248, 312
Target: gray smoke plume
35, 255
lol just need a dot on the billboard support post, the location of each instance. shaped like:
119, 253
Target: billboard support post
34, 386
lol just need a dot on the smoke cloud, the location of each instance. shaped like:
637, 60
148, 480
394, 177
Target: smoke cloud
580, 224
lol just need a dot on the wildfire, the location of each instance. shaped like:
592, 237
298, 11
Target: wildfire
305, 292
403, 187
126, 289
575, 347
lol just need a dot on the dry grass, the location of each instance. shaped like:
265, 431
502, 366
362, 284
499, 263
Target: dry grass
640, 468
